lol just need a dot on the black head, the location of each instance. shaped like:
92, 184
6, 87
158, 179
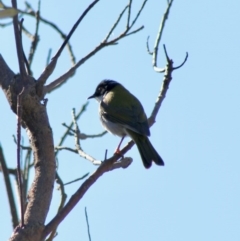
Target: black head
103, 87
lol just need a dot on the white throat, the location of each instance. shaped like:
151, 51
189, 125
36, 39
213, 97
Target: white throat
99, 98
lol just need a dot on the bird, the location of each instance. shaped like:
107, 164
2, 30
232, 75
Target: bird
122, 114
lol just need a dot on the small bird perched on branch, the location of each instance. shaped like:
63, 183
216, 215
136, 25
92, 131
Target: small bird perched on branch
121, 113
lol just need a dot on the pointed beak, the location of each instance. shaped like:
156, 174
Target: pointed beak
90, 97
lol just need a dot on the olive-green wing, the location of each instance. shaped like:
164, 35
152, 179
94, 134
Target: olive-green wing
127, 112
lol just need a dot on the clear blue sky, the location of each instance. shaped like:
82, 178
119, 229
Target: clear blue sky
196, 195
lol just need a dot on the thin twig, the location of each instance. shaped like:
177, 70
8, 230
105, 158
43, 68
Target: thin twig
18, 42
28, 71
138, 13
81, 153
129, 13
63, 193
23, 147
88, 157
60, 148
19, 115
81, 135
76, 180
78, 115
77, 142
77, 130
88, 227
75, 26
70, 130
48, 56
13, 171
115, 24
184, 61
134, 31
35, 37
147, 45
8, 186
3, 25
105, 156
27, 33
26, 172
158, 38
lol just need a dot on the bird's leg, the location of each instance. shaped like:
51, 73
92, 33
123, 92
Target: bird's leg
117, 151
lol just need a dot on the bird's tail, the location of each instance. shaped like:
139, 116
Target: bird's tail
146, 150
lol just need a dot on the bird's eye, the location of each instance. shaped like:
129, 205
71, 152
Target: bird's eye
100, 90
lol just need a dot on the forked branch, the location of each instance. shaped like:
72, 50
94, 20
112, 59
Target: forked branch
167, 70
51, 66
106, 42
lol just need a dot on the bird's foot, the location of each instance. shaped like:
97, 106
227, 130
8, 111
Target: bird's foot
119, 153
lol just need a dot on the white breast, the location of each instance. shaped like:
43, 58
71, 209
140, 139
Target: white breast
115, 129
